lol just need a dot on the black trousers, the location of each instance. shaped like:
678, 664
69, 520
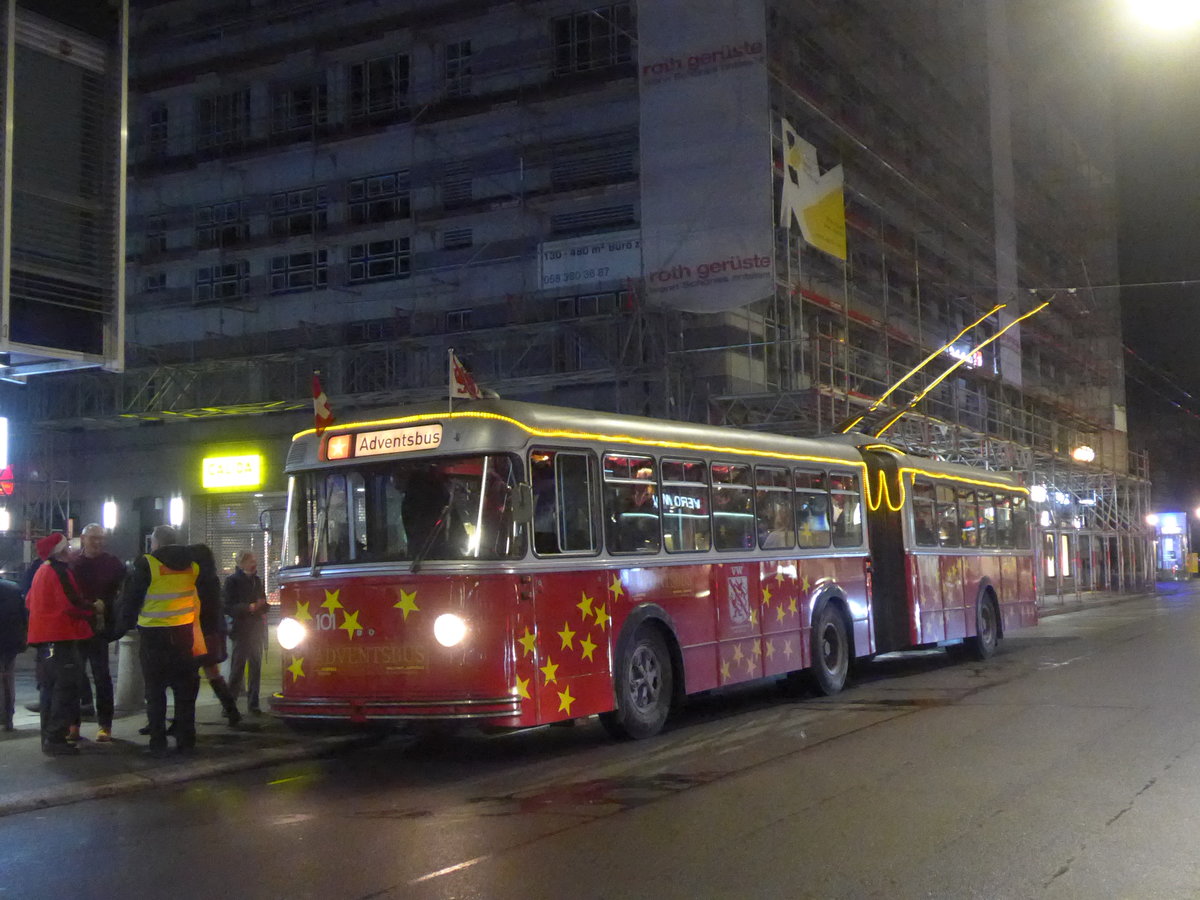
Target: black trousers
61, 672
95, 657
167, 663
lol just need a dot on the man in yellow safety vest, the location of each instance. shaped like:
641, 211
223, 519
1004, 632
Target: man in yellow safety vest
161, 593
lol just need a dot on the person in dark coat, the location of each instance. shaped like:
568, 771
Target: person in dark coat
99, 574
39, 653
212, 623
12, 642
246, 605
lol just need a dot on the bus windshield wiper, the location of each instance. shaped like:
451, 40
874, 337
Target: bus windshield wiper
438, 527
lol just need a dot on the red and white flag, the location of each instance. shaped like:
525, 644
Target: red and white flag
461, 382
322, 413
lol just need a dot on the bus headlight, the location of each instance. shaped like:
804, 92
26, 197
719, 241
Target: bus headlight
290, 633
449, 629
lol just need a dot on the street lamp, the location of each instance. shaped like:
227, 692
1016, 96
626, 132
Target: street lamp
1083, 453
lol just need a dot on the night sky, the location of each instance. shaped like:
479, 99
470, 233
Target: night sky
1158, 129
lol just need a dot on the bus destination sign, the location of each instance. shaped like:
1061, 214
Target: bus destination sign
398, 440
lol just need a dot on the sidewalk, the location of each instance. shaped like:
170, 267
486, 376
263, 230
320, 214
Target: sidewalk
31, 780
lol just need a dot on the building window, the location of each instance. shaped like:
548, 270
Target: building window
223, 281
300, 212
379, 86
458, 68
156, 132
221, 225
155, 240
457, 238
456, 185
380, 198
223, 120
458, 320
593, 39
298, 107
155, 282
380, 261
587, 220
300, 272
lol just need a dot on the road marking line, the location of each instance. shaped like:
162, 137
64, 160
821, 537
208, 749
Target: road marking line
449, 869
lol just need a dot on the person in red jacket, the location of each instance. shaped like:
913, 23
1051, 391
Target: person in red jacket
59, 620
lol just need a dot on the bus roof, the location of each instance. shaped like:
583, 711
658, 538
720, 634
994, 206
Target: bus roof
513, 423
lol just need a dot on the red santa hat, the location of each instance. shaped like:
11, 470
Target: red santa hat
51, 544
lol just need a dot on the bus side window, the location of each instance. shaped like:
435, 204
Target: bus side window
1004, 532
733, 507
923, 514
987, 519
847, 510
968, 517
1020, 522
545, 503
947, 516
630, 504
575, 490
773, 505
812, 509
686, 524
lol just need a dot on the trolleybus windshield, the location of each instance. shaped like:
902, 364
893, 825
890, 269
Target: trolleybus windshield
448, 508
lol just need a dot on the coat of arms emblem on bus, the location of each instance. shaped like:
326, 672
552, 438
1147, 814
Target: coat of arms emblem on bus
739, 600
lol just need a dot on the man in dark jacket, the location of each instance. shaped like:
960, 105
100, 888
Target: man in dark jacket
99, 575
246, 605
12, 642
161, 598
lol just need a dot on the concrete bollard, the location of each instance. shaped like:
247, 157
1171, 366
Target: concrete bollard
131, 690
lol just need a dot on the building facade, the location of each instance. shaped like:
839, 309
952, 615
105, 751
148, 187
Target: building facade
754, 212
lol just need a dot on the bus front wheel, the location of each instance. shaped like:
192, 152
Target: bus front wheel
830, 650
644, 687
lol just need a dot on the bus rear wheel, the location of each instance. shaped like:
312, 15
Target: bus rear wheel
987, 630
830, 650
644, 687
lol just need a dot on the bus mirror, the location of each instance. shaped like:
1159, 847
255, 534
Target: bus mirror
522, 502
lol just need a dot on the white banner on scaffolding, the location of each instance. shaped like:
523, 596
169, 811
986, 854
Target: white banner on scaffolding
707, 215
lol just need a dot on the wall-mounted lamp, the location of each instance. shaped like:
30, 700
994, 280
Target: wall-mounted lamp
175, 512
108, 515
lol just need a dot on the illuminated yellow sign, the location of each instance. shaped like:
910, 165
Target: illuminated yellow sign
243, 472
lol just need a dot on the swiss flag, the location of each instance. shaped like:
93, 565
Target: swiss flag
322, 414
461, 382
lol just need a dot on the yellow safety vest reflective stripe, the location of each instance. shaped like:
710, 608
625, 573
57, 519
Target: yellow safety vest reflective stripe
171, 598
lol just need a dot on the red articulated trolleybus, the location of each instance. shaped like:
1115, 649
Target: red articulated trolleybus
516, 564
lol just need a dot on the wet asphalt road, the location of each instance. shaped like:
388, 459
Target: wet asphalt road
1067, 766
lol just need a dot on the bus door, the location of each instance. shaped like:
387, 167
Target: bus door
568, 656
890, 604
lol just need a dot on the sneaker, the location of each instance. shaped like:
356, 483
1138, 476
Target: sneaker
233, 716
103, 736
145, 729
73, 736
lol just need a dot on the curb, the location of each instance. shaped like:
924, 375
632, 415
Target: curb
1080, 606
131, 783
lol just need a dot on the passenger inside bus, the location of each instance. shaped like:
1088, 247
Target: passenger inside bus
780, 535
431, 525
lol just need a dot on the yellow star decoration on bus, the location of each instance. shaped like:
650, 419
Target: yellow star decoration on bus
780, 612
297, 668
521, 688
584, 605
331, 600
302, 613
725, 675
550, 670
770, 649
787, 649
587, 648
527, 641
350, 622
615, 588
738, 655
780, 575
565, 700
567, 636
792, 605
407, 603
766, 601
805, 583
754, 617
602, 617
756, 649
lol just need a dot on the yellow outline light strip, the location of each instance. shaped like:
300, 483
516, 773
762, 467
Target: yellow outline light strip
884, 493
917, 399
922, 364
589, 436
